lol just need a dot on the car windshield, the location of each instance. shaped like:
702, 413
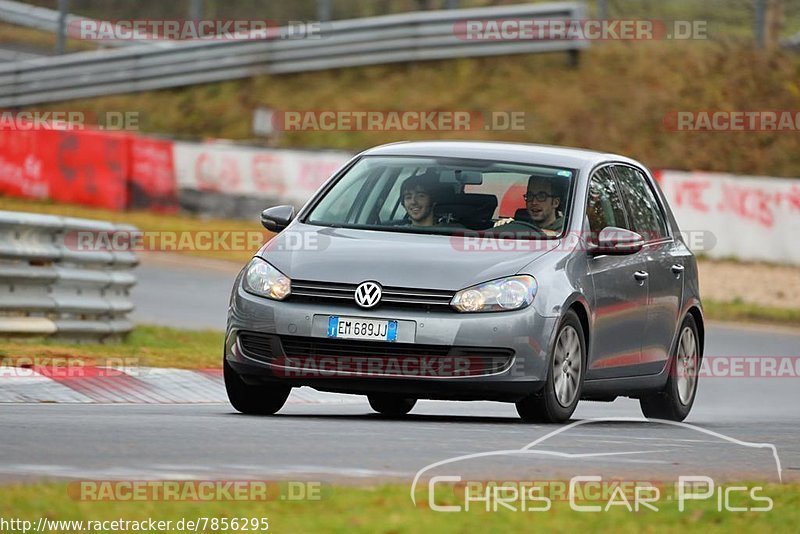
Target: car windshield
448, 196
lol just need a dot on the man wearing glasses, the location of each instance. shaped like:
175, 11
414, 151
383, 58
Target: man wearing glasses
541, 206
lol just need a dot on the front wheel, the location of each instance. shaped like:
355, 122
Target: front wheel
391, 405
253, 399
675, 401
562, 390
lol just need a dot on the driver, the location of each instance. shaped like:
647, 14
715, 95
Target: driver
542, 205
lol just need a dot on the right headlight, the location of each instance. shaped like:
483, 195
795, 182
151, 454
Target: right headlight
505, 294
262, 279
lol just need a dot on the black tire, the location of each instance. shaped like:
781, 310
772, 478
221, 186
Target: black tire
668, 404
391, 405
253, 400
545, 406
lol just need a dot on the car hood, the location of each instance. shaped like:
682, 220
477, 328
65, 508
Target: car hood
397, 259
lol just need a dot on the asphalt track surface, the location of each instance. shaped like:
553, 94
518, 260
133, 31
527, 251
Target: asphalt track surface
349, 443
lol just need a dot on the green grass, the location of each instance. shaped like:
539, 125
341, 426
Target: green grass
147, 346
740, 311
388, 508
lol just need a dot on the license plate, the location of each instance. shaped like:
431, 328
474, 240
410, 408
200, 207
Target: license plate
357, 328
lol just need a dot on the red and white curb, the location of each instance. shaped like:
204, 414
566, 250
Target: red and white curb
132, 385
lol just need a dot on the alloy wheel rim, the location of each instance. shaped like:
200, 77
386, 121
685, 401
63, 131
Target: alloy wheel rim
567, 366
686, 366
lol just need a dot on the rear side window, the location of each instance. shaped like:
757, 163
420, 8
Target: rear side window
643, 209
604, 207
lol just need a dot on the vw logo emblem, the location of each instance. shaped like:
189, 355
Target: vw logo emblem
368, 294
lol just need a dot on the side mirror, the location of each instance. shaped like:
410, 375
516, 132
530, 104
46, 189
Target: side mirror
615, 242
277, 218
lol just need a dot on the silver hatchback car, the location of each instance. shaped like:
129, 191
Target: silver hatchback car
472, 271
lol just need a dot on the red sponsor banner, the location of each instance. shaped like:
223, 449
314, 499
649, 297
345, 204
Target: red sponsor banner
152, 179
103, 169
86, 167
20, 166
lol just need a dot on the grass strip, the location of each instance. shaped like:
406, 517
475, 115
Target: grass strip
145, 346
740, 311
388, 508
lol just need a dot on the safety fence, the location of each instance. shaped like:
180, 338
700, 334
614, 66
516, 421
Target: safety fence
51, 286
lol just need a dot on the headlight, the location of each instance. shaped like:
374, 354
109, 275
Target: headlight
262, 279
510, 293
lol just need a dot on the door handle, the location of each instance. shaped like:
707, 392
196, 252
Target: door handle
677, 269
641, 275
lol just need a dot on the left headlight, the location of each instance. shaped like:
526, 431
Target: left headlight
262, 279
505, 294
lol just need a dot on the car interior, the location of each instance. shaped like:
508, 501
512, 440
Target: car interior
483, 199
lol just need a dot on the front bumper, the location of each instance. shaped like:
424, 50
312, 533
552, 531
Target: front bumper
524, 332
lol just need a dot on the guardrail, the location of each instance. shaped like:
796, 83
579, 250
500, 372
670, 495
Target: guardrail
48, 286
405, 37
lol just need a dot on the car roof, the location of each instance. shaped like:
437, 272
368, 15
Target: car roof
555, 156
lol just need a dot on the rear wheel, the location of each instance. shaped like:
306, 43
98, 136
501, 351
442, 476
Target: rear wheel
562, 390
675, 401
391, 405
253, 399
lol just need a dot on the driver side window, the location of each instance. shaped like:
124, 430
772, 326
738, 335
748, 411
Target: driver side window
604, 206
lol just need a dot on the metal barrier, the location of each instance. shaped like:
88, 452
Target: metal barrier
50, 286
405, 37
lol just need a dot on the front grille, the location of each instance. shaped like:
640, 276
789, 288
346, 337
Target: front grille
383, 359
438, 299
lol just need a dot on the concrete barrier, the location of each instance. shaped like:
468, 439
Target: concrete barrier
751, 218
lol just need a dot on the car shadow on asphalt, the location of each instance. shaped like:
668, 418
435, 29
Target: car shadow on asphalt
405, 419
451, 418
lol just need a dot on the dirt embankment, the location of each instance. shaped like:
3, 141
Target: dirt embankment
753, 283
